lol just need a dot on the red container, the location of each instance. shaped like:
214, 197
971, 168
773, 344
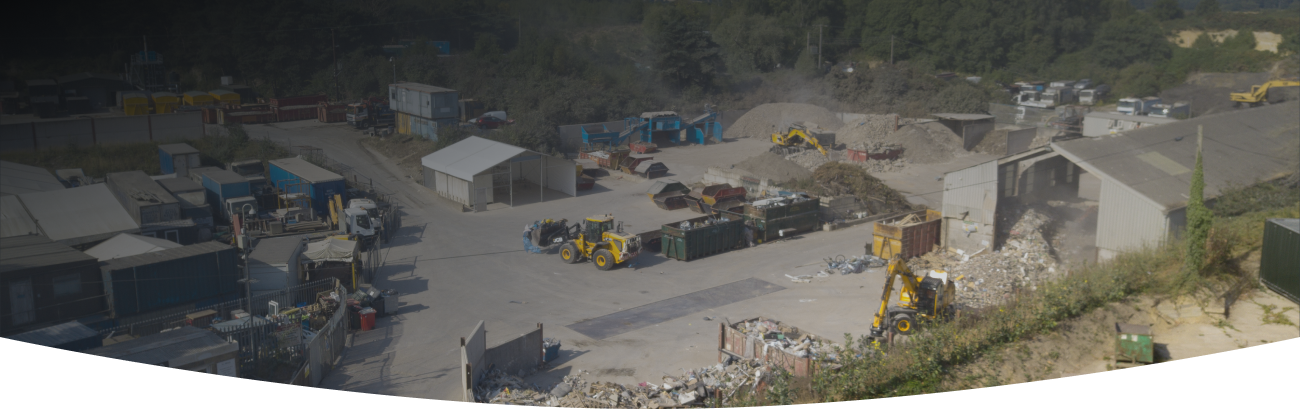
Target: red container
211, 115
863, 156
643, 147
367, 319
331, 113
295, 113
298, 100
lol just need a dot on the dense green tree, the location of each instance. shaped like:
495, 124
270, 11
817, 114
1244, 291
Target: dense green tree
1132, 39
750, 43
1199, 218
1165, 10
1206, 8
685, 55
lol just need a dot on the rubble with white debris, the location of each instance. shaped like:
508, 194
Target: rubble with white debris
992, 277
691, 388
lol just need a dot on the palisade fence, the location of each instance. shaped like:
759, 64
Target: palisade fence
265, 347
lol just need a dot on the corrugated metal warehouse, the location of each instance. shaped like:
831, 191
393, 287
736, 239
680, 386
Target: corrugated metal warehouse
126, 245
476, 172
171, 277
321, 185
1138, 180
16, 178
79, 217
44, 282
421, 108
273, 263
143, 198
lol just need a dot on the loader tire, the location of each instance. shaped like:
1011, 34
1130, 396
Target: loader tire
569, 253
903, 324
604, 260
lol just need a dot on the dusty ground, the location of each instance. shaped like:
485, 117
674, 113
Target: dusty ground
1182, 329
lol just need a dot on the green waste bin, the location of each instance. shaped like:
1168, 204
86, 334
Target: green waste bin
1133, 345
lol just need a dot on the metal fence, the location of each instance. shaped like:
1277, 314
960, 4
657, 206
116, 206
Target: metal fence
263, 345
323, 350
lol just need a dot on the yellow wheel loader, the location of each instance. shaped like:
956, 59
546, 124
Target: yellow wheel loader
599, 240
922, 298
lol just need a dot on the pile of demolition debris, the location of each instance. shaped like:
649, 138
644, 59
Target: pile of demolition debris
991, 278
812, 158
768, 165
691, 388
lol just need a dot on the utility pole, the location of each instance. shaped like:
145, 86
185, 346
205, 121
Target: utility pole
334, 49
819, 46
891, 49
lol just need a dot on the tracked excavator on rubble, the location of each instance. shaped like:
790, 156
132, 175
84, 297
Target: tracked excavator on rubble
801, 136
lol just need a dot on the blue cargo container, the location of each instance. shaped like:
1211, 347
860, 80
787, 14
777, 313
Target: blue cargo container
321, 184
177, 158
222, 184
171, 277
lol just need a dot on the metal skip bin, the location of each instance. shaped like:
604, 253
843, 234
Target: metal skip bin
697, 240
909, 235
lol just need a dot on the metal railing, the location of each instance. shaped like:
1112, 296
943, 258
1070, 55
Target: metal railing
323, 350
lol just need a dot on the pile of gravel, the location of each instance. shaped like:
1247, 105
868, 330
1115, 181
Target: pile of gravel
772, 166
766, 119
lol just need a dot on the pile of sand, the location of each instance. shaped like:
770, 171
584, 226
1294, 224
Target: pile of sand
766, 119
769, 165
928, 142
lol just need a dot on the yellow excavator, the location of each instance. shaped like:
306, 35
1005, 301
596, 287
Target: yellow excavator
1259, 93
927, 297
598, 240
799, 137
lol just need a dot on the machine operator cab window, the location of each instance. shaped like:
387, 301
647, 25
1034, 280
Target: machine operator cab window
596, 226
362, 222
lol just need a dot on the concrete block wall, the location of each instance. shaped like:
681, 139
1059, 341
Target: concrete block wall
87, 132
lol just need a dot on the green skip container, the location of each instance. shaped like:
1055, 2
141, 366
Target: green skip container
697, 242
1133, 345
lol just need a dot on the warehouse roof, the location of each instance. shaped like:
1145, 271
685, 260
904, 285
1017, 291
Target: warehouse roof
163, 255
14, 219
126, 245
306, 170
1240, 147
277, 250
35, 252
80, 214
178, 149
174, 348
56, 335
17, 178
467, 158
1289, 224
964, 117
1131, 118
222, 176
423, 88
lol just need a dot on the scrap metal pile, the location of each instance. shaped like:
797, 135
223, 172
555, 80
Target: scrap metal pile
691, 388
991, 278
787, 338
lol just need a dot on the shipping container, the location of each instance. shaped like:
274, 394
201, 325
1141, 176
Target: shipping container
1279, 261
248, 117
331, 113
724, 233
771, 229
143, 198
908, 235
198, 98
424, 101
424, 127
295, 113
298, 100
211, 115
171, 277
295, 175
177, 158
165, 102
225, 97
222, 185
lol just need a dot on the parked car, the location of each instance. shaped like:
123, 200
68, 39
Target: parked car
491, 122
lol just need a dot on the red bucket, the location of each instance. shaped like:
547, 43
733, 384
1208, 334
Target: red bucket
367, 319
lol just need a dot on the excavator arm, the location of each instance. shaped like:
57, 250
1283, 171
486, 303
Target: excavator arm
897, 268
795, 136
1259, 93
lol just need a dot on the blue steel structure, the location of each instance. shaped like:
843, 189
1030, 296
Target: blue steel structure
644, 127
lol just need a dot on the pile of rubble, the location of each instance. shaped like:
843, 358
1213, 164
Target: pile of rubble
812, 158
883, 166
787, 338
991, 278
691, 388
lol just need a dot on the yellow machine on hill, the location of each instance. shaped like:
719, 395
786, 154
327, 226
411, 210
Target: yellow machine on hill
598, 240
1259, 93
800, 136
927, 297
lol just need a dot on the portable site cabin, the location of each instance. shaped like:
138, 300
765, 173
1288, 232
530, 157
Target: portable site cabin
143, 198
173, 277
421, 108
198, 98
273, 263
295, 175
223, 185
177, 158
193, 198
225, 97
165, 102
135, 103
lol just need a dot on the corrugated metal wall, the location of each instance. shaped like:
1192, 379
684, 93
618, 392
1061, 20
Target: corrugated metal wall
452, 188
1126, 221
972, 191
561, 175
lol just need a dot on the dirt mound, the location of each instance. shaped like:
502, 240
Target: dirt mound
927, 142
1208, 92
766, 119
769, 165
